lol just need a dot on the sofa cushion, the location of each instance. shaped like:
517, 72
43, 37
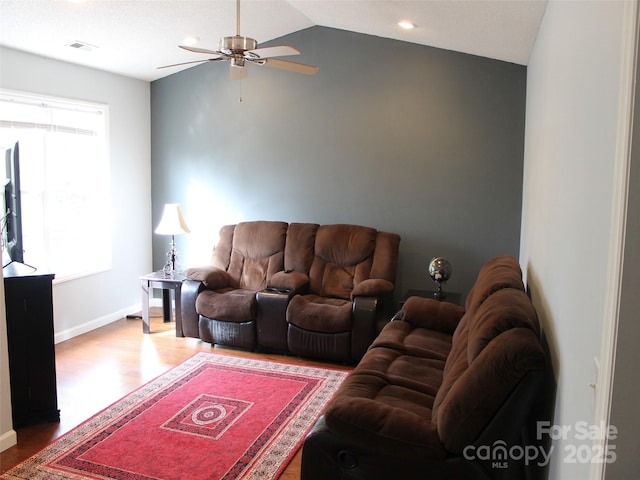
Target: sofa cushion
331, 280
389, 419
503, 311
320, 314
384, 418
343, 257
385, 258
500, 272
408, 339
432, 314
229, 305
257, 253
345, 244
298, 251
254, 274
423, 374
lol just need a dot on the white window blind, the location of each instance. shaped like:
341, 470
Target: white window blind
65, 182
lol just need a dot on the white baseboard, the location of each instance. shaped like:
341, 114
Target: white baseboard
102, 321
96, 323
8, 439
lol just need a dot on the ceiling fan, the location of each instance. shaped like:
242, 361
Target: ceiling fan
239, 51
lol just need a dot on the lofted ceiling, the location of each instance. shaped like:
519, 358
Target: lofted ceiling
134, 37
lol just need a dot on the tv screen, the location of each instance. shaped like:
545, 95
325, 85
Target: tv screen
12, 248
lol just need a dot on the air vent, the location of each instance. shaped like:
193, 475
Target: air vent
78, 45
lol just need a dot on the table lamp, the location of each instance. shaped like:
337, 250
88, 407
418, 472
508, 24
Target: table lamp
172, 223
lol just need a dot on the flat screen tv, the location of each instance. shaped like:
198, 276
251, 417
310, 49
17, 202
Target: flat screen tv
12, 248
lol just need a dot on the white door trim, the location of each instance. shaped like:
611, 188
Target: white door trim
604, 382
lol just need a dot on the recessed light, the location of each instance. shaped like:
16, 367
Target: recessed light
187, 41
406, 24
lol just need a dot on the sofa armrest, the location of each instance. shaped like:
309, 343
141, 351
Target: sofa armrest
288, 280
190, 318
432, 314
211, 277
365, 325
372, 287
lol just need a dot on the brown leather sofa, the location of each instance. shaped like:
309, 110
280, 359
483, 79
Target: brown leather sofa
444, 392
311, 290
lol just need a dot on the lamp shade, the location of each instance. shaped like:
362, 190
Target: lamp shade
172, 221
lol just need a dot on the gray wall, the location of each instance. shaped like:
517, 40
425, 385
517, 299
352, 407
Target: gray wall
415, 140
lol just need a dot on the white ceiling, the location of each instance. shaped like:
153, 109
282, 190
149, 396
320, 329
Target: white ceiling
134, 37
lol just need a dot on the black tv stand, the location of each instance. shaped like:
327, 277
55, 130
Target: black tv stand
32, 367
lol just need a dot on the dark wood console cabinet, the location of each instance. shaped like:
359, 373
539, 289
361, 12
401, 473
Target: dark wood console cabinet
32, 365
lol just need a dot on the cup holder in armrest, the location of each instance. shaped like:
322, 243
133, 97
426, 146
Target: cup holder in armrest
278, 290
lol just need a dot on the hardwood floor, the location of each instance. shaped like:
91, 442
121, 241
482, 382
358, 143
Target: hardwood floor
98, 368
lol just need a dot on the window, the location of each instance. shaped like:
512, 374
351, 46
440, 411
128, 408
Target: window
64, 184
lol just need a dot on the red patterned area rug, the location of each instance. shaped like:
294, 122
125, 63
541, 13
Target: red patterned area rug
211, 417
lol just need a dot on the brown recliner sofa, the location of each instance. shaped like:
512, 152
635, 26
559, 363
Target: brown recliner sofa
444, 392
311, 290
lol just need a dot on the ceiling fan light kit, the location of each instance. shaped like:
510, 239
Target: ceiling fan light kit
237, 45
239, 50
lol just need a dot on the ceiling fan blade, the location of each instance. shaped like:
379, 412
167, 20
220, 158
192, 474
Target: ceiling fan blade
201, 50
237, 73
268, 52
187, 63
291, 66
